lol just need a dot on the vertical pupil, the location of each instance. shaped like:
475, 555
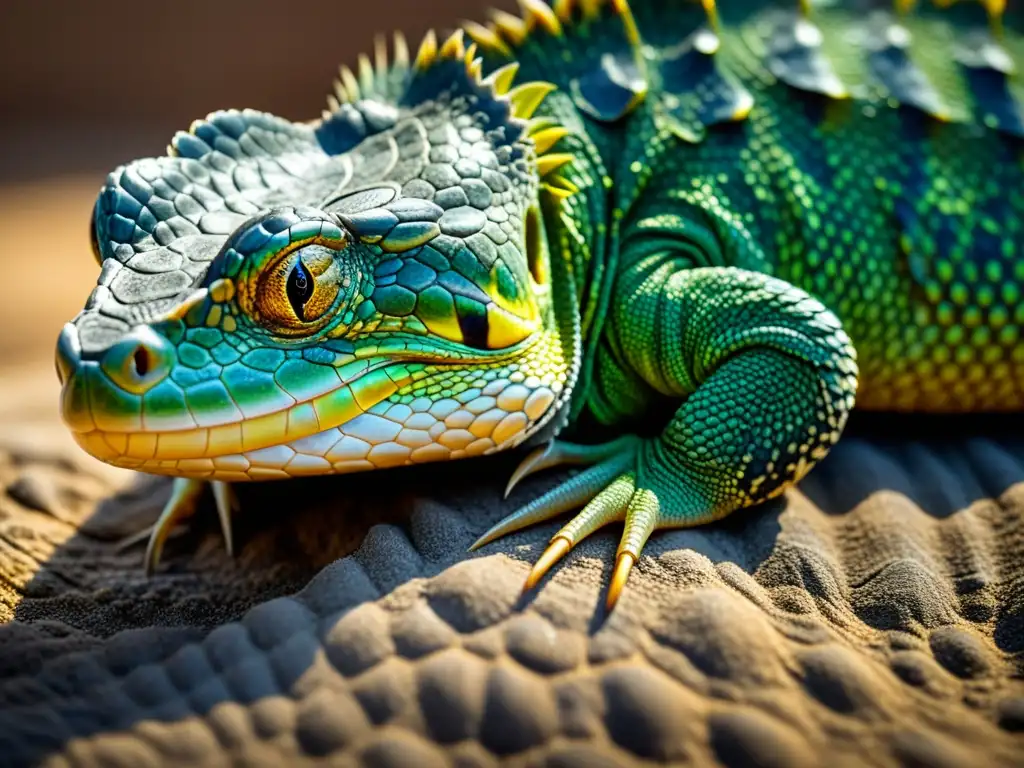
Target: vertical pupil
299, 288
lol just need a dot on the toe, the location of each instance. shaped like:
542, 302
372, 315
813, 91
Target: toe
227, 502
182, 503
608, 506
642, 517
567, 496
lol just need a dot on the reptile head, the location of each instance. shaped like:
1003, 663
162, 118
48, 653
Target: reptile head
364, 291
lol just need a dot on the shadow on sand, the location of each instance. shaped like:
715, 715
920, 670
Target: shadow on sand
123, 672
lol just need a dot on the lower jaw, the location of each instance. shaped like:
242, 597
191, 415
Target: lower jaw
389, 434
338, 454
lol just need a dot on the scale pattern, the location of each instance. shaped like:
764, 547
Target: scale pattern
725, 221
914, 244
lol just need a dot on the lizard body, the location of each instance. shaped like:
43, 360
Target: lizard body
709, 216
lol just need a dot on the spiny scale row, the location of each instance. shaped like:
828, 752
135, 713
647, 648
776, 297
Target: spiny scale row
523, 99
507, 29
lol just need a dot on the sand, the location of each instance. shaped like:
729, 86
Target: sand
874, 616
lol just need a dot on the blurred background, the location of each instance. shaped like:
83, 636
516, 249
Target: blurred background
85, 86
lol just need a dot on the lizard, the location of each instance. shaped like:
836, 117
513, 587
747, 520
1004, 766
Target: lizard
732, 223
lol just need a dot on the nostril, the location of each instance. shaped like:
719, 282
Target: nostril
141, 361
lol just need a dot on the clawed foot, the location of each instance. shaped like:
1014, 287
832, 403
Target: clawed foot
611, 492
184, 499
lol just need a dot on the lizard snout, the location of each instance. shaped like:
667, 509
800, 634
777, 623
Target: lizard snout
104, 390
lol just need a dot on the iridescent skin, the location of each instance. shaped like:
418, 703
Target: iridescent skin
424, 310
725, 214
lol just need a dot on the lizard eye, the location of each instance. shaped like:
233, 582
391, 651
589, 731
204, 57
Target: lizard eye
295, 293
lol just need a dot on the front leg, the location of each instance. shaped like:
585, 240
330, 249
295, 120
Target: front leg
767, 379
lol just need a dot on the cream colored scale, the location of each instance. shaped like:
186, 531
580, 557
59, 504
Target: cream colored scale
392, 433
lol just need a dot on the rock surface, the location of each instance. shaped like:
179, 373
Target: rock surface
875, 616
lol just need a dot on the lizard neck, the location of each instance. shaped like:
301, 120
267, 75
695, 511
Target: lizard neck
582, 235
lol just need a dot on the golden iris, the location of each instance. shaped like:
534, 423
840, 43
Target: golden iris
295, 292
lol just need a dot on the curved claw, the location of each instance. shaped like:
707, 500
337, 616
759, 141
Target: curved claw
534, 462
227, 502
641, 519
182, 503
623, 565
557, 453
557, 549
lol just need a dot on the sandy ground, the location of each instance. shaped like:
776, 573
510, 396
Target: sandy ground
873, 617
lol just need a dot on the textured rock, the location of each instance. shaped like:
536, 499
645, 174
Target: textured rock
874, 616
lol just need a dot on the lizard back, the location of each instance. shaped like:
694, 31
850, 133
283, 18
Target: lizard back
866, 153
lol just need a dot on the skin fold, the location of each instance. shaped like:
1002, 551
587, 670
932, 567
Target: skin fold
737, 221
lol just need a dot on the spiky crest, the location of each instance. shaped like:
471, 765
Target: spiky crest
401, 83
539, 23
